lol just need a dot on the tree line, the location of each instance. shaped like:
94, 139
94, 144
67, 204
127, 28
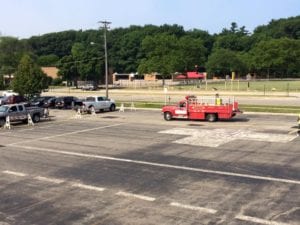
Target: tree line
272, 50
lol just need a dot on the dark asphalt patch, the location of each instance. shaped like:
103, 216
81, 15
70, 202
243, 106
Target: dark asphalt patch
195, 125
110, 117
2, 146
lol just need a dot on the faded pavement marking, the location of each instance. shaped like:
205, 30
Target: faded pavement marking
217, 137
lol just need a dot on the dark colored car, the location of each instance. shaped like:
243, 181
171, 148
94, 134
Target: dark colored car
13, 99
40, 101
50, 103
67, 102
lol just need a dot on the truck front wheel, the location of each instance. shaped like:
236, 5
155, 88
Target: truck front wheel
168, 116
211, 117
2, 122
112, 107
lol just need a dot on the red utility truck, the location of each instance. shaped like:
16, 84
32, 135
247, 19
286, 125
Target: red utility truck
202, 108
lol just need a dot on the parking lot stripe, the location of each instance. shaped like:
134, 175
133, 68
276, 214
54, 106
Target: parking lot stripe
88, 187
142, 197
169, 166
66, 134
258, 220
51, 180
195, 208
14, 173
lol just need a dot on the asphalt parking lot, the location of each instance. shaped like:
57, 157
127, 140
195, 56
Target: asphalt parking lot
133, 167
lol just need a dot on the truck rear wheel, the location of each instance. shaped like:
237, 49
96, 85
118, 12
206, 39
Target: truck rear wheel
168, 116
36, 118
211, 117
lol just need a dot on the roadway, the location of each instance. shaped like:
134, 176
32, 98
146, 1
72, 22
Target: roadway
135, 168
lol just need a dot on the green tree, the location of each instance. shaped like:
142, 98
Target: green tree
29, 78
223, 62
11, 50
67, 69
47, 60
167, 54
277, 56
161, 55
1, 82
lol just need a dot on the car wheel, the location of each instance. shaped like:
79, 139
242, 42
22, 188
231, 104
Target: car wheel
2, 122
211, 117
168, 116
112, 107
36, 118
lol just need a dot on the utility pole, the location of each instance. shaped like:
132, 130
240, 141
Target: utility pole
105, 27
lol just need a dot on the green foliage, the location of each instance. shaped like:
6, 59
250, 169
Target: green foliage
223, 62
165, 49
281, 55
67, 68
11, 50
47, 60
1, 82
289, 28
29, 78
57, 82
167, 54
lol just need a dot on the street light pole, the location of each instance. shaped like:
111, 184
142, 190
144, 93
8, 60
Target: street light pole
105, 27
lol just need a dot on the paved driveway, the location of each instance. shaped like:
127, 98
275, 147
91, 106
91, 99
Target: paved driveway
135, 168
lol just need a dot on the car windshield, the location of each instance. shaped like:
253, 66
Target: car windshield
3, 108
38, 99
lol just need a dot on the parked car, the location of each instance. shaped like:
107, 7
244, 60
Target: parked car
40, 101
89, 87
13, 99
19, 112
98, 103
67, 102
50, 103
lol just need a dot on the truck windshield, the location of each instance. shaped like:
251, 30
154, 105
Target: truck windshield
3, 108
90, 99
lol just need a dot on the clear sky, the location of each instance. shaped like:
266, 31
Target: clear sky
26, 18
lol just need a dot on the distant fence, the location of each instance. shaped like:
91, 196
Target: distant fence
144, 83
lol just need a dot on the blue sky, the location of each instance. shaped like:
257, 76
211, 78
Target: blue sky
25, 18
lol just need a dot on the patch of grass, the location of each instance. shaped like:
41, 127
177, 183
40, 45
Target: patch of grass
270, 108
243, 85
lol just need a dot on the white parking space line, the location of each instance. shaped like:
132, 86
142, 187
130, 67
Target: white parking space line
195, 208
162, 165
142, 197
66, 134
259, 221
14, 173
51, 180
88, 187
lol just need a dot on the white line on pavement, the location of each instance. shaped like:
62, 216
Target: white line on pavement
89, 187
195, 208
65, 134
258, 220
142, 197
51, 180
14, 173
223, 173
